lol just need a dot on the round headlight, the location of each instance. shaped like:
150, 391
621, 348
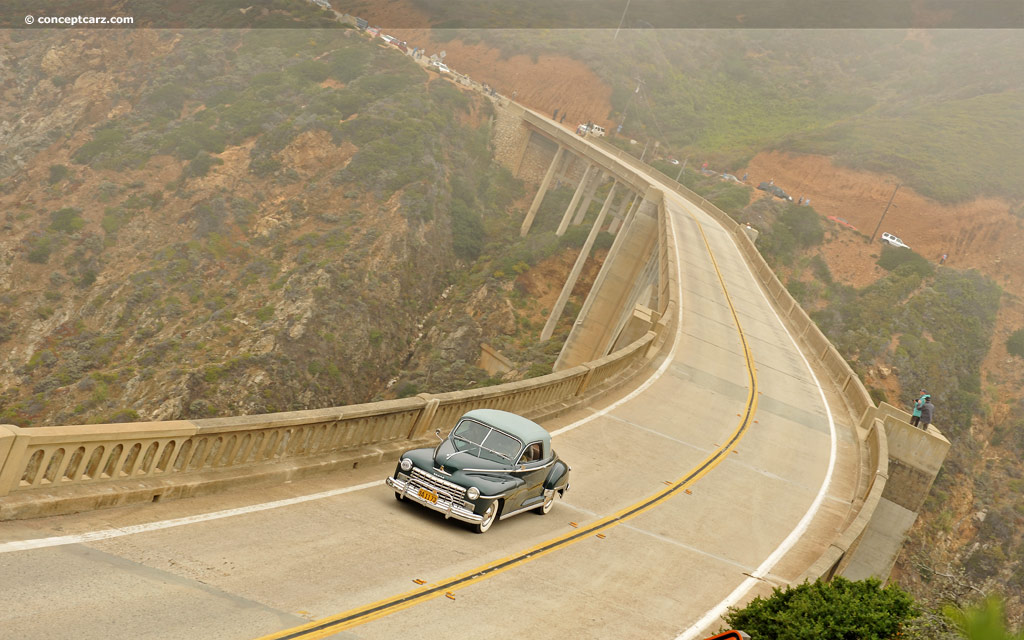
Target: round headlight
472, 493
406, 464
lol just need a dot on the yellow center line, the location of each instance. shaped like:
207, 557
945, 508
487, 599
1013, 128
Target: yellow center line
326, 627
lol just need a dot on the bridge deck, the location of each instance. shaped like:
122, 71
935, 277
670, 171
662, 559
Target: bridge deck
739, 433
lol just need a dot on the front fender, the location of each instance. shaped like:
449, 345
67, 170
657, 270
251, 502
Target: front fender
558, 477
488, 484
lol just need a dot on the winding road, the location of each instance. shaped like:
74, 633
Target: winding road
721, 475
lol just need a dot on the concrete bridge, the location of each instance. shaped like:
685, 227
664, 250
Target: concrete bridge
720, 447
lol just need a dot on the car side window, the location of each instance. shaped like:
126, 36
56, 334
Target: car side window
531, 454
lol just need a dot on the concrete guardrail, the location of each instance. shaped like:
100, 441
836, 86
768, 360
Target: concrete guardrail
49, 470
64, 469
818, 348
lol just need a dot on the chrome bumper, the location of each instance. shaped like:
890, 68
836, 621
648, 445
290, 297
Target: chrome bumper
408, 488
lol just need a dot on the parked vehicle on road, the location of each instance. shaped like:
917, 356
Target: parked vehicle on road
775, 190
440, 67
493, 465
590, 129
892, 240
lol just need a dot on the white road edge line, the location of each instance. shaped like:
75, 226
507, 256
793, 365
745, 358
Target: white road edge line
689, 634
106, 534
741, 591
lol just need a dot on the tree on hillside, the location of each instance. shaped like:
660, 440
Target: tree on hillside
1015, 343
983, 621
834, 610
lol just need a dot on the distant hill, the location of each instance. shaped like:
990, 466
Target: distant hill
941, 110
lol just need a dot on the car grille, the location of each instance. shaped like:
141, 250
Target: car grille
447, 490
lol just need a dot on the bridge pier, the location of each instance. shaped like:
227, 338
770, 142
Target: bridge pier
621, 215
567, 163
596, 182
537, 199
570, 282
564, 224
620, 281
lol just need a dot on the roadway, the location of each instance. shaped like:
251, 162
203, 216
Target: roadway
721, 475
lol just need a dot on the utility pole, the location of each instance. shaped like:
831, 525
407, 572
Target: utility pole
879, 225
680, 174
645, 150
621, 20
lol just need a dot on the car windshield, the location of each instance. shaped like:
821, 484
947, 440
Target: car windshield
484, 442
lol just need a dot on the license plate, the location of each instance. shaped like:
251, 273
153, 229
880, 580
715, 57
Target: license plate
428, 495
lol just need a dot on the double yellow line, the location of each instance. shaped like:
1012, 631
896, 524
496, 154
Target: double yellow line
354, 617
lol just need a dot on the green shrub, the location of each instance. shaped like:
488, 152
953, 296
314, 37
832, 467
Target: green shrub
200, 165
804, 224
604, 240
104, 142
878, 395
67, 220
820, 269
985, 620
39, 248
1015, 343
166, 101
834, 610
407, 390
347, 64
210, 215
904, 260
310, 70
264, 313
58, 172
106, 191
730, 198
574, 236
446, 96
122, 415
114, 218
189, 138
538, 369
138, 202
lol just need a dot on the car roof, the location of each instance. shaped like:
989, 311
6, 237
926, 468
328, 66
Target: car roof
526, 430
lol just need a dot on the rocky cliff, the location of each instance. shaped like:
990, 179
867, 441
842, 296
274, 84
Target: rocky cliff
202, 223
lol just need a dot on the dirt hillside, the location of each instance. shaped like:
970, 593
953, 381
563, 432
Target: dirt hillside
981, 234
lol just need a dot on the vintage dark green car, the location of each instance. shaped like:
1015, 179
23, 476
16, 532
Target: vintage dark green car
493, 464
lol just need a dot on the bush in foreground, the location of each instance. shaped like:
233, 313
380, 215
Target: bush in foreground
835, 610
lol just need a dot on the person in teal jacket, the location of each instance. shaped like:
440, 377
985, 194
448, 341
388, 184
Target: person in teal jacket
915, 416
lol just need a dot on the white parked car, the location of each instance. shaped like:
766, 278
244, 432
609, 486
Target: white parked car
893, 240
